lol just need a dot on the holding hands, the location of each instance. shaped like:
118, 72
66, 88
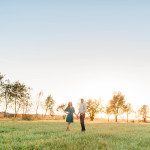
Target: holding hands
77, 116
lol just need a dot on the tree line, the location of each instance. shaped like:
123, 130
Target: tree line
16, 95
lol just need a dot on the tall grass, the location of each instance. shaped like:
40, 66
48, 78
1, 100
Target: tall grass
29, 135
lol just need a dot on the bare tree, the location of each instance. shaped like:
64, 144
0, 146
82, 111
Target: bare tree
38, 100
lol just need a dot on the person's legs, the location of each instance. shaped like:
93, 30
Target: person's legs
68, 125
82, 116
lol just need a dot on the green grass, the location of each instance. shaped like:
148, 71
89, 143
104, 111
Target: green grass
17, 135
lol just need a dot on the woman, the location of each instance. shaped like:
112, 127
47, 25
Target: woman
70, 111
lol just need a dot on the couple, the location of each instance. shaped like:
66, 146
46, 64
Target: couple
70, 111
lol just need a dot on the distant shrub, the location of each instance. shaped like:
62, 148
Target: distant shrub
1, 115
27, 117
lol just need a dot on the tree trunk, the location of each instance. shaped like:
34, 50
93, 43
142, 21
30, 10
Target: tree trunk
6, 104
5, 112
144, 119
45, 112
108, 119
37, 110
26, 109
23, 110
116, 118
15, 109
127, 117
92, 118
18, 109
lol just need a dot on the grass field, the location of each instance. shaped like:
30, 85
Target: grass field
48, 135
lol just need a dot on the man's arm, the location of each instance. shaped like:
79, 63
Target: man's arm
85, 108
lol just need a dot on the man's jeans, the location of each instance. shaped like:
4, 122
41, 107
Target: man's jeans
82, 117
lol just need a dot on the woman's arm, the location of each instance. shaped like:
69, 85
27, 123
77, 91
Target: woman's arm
66, 110
75, 113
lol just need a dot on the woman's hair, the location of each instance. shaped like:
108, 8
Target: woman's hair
69, 104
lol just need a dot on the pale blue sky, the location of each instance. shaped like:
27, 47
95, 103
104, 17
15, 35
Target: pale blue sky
75, 49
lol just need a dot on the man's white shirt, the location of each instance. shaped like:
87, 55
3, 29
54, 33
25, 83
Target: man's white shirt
82, 108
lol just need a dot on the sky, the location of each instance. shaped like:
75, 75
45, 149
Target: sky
78, 49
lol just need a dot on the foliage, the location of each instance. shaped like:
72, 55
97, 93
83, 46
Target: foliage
49, 104
143, 111
26, 104
20, 94
93, 107
17, 97
61, 108
1, 86
6, 94
116, 104
1, 77
27, 117
127, 109
108, 111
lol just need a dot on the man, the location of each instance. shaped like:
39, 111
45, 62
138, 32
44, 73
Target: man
82, 110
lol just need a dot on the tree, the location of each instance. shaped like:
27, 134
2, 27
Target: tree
7, 95
127, 109
108, 112
49, 105
61, 108
143, 111
19, 94
1, 78
93, 107
26, 103
116, 104
1, 86
38, 100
